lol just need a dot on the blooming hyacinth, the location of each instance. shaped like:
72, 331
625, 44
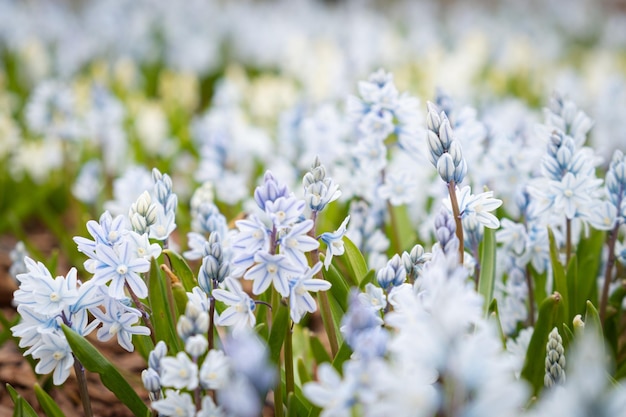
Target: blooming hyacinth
44, 303
555, 360
270, 250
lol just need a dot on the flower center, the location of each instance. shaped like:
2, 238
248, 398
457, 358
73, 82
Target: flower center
141, 252
183, 373
58, 355
113, 236
281, 215
272, 268
114, 329
122, 269
292, 243
54, 297
568, 193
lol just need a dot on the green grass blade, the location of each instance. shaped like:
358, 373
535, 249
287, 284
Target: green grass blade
22, 407
162, 310
487, 276
357, 267
47, 403
560, 281
534, 364
93, 361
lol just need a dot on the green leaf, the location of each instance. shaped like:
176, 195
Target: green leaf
342, 355
47, 403
319, 351
592, 320
401, 229
339, 289
571, 278
534, 364
93, 361
567, 335
539, 283
369, 278
278, 331
22, 407
560, 282
182, 270
487, 276
494, 314
357, 267
589, 255
303, 373
160, 299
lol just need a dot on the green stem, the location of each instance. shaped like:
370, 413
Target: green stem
394, 228
278, 391
322, 296
457, 219
568, 241
82, 387
531, 298
289, 378
608, 272
144, 314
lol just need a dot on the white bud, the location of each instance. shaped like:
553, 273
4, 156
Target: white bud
445, 167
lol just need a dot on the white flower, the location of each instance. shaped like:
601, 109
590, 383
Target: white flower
179, 372
300, 301
175, 404
478, 205
334, 242
215, 370
239, 314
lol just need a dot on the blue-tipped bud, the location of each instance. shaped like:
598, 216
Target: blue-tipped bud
433, 121
445, 167
393, 274
445, 132
151, 380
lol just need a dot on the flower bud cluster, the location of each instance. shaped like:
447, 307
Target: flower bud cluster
445, 151
391, 275
616, 183
564, 156
215, 268
319, 190
564, 116
362, 329
445, 232
414, 261
143, 213
555, 360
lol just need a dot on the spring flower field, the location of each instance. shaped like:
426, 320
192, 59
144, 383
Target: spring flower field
313, 208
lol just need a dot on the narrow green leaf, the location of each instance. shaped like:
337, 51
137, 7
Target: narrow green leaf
319, 351
494, 314
47, 403
592, 320
180, 297
567, 335
560, 282
337, 314
369, 278
342, 355
291, 405
487, 276
277, 332
182, 270
404, 231
339, 289
93, 361
539, 283
573, 287
303, 373
589, 255
355, 261
22, 407
534, 364
159, 296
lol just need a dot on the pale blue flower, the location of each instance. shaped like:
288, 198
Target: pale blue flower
175, 404
107, 231
284, 211
179, 372
296, 242
377, 124
399, 188
268, 269
335, 396
120, 267
513, 236
164, 224
121, 323
334, 242
215, 370
572, 193
54, 354
209, 409
240, 311
198, 246
300, 301
373, 296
